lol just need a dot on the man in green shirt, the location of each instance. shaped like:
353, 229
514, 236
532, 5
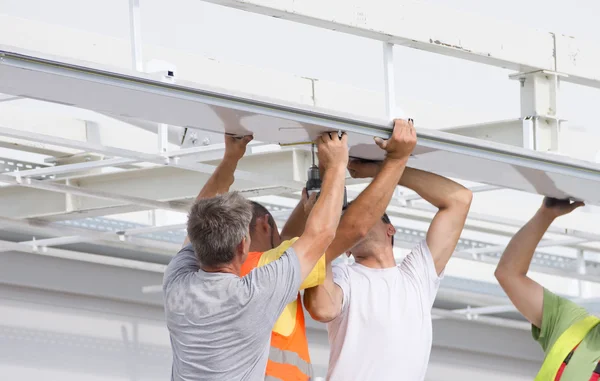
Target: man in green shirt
549, 314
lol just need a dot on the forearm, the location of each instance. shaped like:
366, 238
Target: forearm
219, 182
325, 215
526, 294
367, 208
322, 221
294, 227
518, 254
221, 179
323, 302
437, 190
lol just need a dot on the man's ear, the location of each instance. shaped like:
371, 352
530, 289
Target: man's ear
391, 230
263, 223
241, 246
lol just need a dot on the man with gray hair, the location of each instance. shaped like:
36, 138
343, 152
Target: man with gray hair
220, 323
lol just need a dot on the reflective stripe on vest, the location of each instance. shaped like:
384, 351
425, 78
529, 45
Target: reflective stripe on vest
563, 346
292, 358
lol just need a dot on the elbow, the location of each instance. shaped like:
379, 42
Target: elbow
460, 200
464, 198
505, 276
322, 234
500, 274
361, 231
320, 314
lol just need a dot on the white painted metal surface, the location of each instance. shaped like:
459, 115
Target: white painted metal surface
425, 26
134, 166
135, 95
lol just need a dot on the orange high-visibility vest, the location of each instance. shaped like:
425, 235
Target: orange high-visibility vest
288, 356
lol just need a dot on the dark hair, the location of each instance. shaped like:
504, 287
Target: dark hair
217, 225
259, 211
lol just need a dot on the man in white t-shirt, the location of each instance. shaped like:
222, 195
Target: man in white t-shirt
378, 312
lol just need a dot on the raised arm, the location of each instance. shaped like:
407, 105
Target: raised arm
526, 294
222, 178
324, 302
219, 182
323, 220
294, 226
453, 202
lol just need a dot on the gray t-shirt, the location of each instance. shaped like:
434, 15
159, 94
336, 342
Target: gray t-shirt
220, 324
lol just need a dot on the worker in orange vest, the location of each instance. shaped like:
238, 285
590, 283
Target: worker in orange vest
568, 334
289, 358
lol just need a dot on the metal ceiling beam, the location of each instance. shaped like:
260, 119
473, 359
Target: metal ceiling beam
421, 27
163, 183
170, 158
544, 243
78, 191
122, 236
40, 227
135, 89
85, 257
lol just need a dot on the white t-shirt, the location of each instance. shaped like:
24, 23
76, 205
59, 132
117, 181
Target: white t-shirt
384, 329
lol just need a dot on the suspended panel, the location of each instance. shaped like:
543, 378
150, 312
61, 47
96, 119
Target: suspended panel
136, 95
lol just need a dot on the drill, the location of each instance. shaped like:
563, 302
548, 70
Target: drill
313, 185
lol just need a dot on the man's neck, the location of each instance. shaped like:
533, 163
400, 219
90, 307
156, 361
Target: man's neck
377, 259
230, 268
259, 247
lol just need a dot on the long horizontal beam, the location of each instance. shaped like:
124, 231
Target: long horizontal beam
41, 227
170, 158
423, 26
545, 243
86, 257
105, 195
22, 74
163, 183
91, 237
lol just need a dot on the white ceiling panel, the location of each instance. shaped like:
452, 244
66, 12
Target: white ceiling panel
135, 95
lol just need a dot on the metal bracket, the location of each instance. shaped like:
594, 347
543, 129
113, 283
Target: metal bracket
539, 109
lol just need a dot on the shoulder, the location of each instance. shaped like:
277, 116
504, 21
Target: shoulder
340, 268
341, 273
276, 252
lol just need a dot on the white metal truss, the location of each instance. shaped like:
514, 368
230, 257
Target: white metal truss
541, 60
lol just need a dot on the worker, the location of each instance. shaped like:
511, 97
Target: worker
220, 323
378, 313
289, 358
569, 336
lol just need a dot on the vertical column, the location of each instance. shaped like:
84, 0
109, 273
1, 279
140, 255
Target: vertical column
582, 288
539, 105
163, 138
389, 80
135, 21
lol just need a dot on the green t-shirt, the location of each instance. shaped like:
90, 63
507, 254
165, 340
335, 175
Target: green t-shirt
559, 313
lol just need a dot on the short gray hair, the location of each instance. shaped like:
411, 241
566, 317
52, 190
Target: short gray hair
217, 225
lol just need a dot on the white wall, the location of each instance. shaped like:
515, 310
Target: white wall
68, 320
